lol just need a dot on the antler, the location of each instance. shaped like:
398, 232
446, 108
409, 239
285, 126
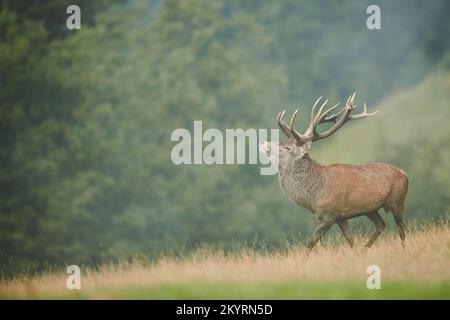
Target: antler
339, 119
289, 131
284, 127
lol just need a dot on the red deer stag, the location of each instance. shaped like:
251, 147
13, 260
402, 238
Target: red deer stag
338, 192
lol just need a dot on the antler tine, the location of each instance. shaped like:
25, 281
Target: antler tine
363, 114
309, 131
297, 136
319, 114
313, 109
333, 117
341, 121
346, 111
349, 104
283, 125
350, 100
291, 123
317, 118
281, 115
323, 118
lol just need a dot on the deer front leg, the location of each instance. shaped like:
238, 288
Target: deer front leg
321, 229
345, 228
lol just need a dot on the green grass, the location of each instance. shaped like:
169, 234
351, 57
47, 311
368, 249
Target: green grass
272, 290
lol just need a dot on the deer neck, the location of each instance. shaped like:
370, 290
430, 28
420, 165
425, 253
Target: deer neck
302, 180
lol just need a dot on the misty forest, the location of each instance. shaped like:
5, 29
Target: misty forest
86, 118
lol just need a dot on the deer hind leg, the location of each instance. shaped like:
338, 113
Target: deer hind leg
345, 228
397, 212
376, 219
321, 229
401, 227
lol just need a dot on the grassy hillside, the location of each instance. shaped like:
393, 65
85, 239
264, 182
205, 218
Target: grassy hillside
331, 270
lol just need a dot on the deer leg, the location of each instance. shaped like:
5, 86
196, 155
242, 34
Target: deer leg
321, 229
379, 226
401, 228
345, 228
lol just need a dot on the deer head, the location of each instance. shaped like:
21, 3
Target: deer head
298, 145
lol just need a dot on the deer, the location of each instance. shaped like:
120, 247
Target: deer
338, 192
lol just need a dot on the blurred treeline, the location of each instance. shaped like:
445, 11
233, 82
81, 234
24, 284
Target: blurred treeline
86, 116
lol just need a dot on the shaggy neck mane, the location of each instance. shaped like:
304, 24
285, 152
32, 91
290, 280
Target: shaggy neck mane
302, 179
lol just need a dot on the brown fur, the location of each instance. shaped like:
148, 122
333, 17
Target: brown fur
340, 192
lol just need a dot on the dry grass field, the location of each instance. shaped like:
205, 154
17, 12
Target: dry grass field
331, 270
